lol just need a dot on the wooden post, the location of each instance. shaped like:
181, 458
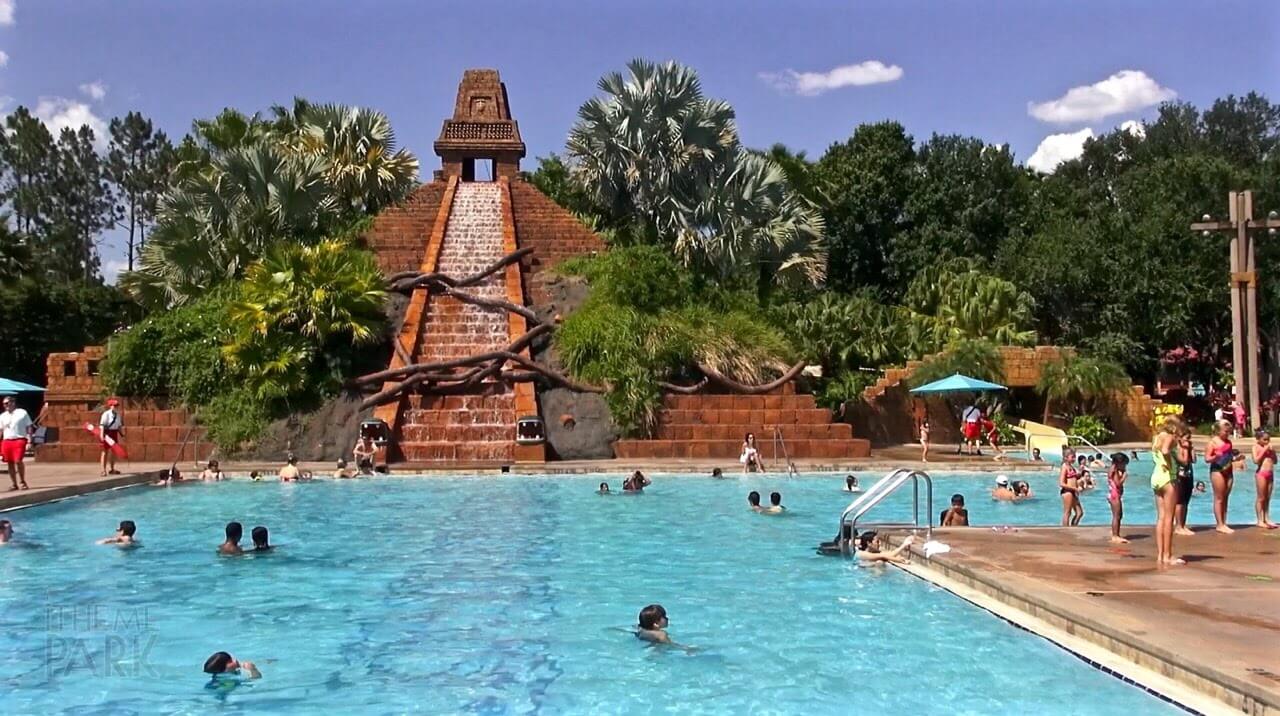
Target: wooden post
1246, 349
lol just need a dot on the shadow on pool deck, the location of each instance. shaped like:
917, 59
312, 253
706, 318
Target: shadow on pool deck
1213, 624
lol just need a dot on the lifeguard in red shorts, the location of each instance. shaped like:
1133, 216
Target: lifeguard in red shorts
17, 428
110, 425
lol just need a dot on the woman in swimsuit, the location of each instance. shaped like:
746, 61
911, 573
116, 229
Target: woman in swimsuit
1221, 473
1265, 456
1069, 488
1185, 456
1166, 493
750, 457
1115, 493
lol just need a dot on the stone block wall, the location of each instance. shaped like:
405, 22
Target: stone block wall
887, 412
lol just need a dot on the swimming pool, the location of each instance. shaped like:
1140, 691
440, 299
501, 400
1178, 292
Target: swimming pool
505, 595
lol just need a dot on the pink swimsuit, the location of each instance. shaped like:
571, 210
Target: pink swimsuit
1269, 473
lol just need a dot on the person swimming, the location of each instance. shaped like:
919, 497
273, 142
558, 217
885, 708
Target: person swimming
775, 504
851, 484
636, 483
956, 515
753, 501
261, 540
123, 536
1002, 490
603, 489
1021, 490
870, 549
6, 531
223, 663
652, 625
232, 545
717, 473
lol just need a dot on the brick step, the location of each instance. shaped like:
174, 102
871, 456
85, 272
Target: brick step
731, 449
763, 433
498, 401
481, 416
149, 452
456, 433
138, 435
739, 402
814, 416
442, 451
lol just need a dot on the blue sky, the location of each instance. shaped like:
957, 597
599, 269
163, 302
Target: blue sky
803, 72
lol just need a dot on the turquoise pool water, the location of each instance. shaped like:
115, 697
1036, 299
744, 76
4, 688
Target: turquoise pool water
500, 595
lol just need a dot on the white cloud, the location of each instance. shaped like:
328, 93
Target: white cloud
4, 58
95, 90
111, 270
1058, 148
1134, 127
6, 12
59, 112
810, 84
1125, 91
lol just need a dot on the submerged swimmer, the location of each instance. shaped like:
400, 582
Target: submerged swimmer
261, 540
636, 483
775, 504
123, 536
653, 625
223, 663
604, 489
232, 545
753, 501
851, 484
6, 531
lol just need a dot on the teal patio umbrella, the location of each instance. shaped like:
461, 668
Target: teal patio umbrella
957, 384
13, 387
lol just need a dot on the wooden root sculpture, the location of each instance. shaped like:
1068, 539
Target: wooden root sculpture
463, 374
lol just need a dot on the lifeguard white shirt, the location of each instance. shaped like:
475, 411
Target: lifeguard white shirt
111, 420
15, 424
971, 414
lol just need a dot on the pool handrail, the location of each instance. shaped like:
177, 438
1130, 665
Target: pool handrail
882, 489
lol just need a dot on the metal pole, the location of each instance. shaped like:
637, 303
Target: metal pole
915, 501
1254, 348
1238, 333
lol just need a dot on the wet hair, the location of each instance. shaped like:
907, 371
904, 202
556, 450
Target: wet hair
753, 498
212, 463
5, 524
850, 480
651, 615
342, 462
716, 472
128, 527
1081, 458
604, 487
218, 663
865, 539
234, 531
775, 498
957, 499
1119, 459
259, 535
254, 473
292, 459
1020, 487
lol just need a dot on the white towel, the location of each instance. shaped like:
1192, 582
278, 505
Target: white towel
933, 547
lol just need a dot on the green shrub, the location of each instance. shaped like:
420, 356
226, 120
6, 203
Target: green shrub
233, 420
646, 278
176, 353
844, 387
1008, 436
1091, 428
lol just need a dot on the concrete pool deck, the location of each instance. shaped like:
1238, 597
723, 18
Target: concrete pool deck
1211, 626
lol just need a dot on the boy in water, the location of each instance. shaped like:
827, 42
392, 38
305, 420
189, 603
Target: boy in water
223, 663
753, 501
123, 536
211, 473
956, 515
653, 625
341, 472
261, 541
290, 472
232, 546
6, 531
775, 504
869, 546
851, 484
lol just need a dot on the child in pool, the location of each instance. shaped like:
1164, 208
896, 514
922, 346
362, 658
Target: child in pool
123, 536
1115, 494
652, 625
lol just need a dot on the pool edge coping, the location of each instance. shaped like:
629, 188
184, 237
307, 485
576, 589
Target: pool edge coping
1192, 686
27, 498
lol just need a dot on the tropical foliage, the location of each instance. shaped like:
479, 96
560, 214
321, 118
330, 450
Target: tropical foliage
250, 184
1079, 381
975, 358
634, 333
664, 164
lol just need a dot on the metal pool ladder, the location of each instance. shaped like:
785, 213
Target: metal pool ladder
884, 487
778, 439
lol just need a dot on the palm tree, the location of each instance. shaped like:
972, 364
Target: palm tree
666, 163
1081, 380
954, 300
